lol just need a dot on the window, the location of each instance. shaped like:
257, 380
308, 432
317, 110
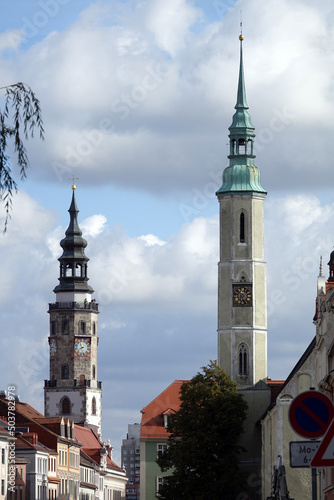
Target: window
64, 372
93, 406
94, 371
242, 147
3, 458
250, 146
53, 328
161, 448
66, 406
69, 270
82, 327
242, 227
94, 328
160, 482
64, 326
243, 360
2, 486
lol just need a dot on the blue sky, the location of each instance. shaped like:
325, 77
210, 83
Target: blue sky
137, 98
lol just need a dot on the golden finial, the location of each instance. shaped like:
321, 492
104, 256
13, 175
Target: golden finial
241, 37
73, 185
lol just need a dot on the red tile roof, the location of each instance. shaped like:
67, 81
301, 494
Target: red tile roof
91, 446
30, 441
276, 386
152, 422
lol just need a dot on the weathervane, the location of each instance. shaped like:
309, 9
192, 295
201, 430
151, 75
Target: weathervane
241, 36
74, 179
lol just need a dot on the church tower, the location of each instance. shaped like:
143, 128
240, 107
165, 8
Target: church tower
242, 308
73, 390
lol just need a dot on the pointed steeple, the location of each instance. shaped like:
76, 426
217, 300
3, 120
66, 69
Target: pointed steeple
73, 262
241, 118
241, 175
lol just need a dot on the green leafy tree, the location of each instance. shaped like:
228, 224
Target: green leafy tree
203, 449
20, 117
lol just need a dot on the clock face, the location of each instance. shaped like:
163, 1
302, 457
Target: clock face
53, 347
242, 295
82, 347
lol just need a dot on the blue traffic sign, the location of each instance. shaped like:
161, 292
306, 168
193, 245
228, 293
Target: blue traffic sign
310, 414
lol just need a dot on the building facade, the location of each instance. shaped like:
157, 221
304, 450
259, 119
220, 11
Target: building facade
153, 438
73, 390
131, 453
5, 440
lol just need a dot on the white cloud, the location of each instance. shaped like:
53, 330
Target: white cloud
151, 240
119, 101
10, 40
170, 22
94, 225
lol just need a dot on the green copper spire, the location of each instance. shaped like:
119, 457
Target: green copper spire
241, 175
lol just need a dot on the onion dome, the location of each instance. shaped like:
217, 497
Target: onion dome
73, 262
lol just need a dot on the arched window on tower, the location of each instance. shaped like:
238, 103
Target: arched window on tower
66, 406
241, 146
65, 327
243, 360
93, 406
242, 228
250, 147
64, 372
69, 270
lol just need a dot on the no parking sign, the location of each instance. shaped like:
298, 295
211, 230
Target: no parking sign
311, 415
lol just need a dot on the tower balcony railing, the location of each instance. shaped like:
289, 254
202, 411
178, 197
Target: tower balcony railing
77, 383
74, 306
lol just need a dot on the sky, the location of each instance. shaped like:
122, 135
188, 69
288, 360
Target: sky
137, 98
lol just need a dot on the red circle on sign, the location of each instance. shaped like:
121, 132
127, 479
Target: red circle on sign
311, 413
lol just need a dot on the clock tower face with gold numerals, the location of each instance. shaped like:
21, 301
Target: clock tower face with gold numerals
82, 347
242, 295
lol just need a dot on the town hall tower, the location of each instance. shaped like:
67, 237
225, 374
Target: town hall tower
73, 390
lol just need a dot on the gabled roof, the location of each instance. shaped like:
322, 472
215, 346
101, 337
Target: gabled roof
295, 369
26, 415
91, 446
23, 411
152, 422
27, 441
